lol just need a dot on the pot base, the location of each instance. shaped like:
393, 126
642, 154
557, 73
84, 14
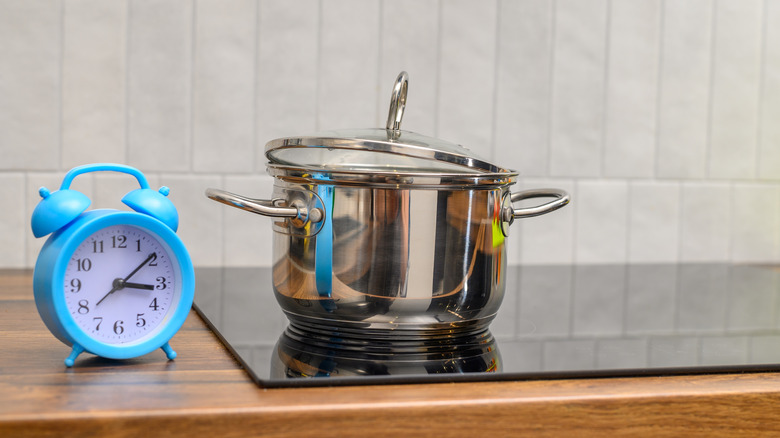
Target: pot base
380, 328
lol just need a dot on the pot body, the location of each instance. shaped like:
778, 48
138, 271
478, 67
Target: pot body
394, 261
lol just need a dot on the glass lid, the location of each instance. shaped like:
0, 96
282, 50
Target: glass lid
379, 150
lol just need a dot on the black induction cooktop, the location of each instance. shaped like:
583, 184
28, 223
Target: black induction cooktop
555, 322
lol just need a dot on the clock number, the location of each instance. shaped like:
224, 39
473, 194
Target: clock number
97, 246
84, 264
99, 320
83, 309
118, 241
161, 283
138, 245
140, 322
75, 285
153, 261
154, 305
118, 329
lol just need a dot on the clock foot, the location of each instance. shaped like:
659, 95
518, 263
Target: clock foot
77, 349
169, 351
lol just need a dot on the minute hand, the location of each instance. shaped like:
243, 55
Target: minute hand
151, 256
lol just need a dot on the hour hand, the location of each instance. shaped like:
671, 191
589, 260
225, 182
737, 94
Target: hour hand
139, 286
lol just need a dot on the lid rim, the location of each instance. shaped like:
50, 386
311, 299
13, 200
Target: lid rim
388, 143
393, 179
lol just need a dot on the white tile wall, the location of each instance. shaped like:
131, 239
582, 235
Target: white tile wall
631, 95
347, 61
286, 72
769, 110
159, 84
93, 82
601, 210
684, 89
579, 76
467, 68
705, 222
658, 116
735, 85
30, 89
12, 193
548, 239
654, 217
409, 41
223, 101
522, 112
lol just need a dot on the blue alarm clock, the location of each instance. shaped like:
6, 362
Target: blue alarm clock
117, 284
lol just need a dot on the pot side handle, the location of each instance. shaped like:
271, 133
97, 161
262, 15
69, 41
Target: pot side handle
271, 208
561, 198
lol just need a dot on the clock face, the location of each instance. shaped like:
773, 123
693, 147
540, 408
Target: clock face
120, 283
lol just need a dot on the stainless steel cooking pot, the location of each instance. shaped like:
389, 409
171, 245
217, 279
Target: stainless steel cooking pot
388, 233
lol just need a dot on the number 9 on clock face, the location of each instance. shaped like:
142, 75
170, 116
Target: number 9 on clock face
120, 284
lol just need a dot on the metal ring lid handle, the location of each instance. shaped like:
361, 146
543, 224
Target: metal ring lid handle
398, 102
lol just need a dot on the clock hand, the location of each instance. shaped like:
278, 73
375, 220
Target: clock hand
151, 256
120, 283
139, 286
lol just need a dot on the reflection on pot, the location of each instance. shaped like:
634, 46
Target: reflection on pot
414, 260
301, 353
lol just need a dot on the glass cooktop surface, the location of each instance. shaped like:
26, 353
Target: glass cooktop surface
554, 322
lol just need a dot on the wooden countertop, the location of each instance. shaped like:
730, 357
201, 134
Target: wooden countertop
204, 392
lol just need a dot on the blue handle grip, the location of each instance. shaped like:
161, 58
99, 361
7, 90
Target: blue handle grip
99, 167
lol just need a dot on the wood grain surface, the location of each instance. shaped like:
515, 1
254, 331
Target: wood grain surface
204, 392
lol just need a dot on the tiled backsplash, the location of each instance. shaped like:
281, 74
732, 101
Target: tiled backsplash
661, 118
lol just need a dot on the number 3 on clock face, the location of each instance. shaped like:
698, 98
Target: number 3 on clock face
120, 284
